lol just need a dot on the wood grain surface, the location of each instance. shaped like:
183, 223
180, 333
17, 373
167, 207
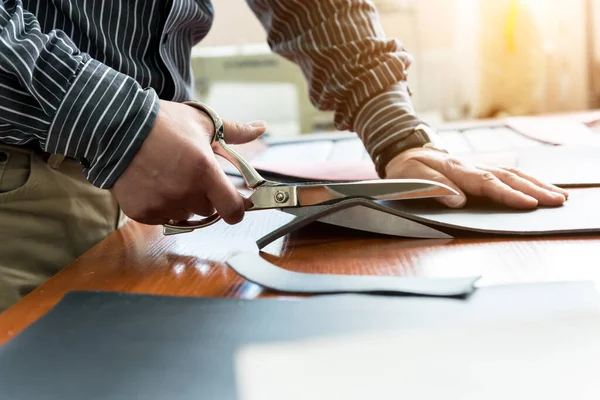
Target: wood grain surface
138, 258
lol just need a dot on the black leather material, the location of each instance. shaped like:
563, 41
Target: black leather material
318, 212
481, 217
256, 269
113, 346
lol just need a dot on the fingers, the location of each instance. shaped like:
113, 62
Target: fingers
507, 186
175, 173
228, 202
479, 182
552, 188
179, 215
199, 204
483, 183
166, 217
221, 193
239, 133
213, 191
153, 221
235, 132
422, 171
544, 196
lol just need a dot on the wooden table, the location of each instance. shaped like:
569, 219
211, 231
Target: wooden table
140, 259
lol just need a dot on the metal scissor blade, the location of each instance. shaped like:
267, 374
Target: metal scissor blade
387, 189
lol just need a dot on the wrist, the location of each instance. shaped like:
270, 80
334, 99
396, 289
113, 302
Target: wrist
422, 136
388, 125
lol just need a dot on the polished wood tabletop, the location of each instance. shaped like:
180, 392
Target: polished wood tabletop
139, 258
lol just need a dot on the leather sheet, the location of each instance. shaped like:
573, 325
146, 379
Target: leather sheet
573, 165
256, 269
115, 346
576, 216
557, 130
566, 166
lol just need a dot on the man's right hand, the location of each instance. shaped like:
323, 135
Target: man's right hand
175, 173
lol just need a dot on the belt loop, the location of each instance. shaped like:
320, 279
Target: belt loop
55, 160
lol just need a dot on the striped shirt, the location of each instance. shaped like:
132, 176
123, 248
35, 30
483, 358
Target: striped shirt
83, 78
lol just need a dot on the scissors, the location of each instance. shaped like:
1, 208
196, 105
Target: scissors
278, 195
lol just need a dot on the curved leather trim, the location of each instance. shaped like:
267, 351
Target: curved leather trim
256, 269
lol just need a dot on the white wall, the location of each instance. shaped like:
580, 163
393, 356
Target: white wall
596, 47
445, 38
596, 27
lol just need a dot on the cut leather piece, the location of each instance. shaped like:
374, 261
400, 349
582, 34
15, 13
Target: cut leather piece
257, 270
359, 214
575, 216
115, 346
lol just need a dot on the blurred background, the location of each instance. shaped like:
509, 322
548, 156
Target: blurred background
473, 59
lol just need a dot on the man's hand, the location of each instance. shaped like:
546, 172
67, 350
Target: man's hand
508, 186
175, 173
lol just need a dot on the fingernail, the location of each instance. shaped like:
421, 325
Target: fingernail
247, 203
455, 201
561, 191
532, 200
558, 196
258, 124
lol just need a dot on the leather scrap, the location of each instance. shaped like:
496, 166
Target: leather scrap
256, 269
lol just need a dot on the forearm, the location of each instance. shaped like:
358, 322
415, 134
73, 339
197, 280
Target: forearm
350, 66
386, 123
102, 120
53, 93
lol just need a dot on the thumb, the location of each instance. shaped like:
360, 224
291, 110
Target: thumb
452, 201
418, 170
238, 133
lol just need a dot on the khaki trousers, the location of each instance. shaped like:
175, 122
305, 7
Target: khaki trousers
49, 216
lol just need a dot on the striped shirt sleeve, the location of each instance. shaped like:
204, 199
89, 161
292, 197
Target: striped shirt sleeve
350, 66
71, 104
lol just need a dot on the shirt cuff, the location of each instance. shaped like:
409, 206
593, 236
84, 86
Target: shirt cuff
387, 121
102, 121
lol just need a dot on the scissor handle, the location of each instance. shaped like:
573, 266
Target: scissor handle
176, 227
251, 176
189, 226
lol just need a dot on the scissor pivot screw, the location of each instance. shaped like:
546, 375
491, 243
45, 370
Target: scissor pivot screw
281, 197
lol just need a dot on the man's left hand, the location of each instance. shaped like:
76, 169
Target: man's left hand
508, 186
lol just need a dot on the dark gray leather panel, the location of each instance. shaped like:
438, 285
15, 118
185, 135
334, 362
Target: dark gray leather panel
113, 346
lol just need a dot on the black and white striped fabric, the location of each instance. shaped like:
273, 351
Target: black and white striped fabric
82, 78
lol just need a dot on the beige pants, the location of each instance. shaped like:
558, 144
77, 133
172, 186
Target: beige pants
49, 216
